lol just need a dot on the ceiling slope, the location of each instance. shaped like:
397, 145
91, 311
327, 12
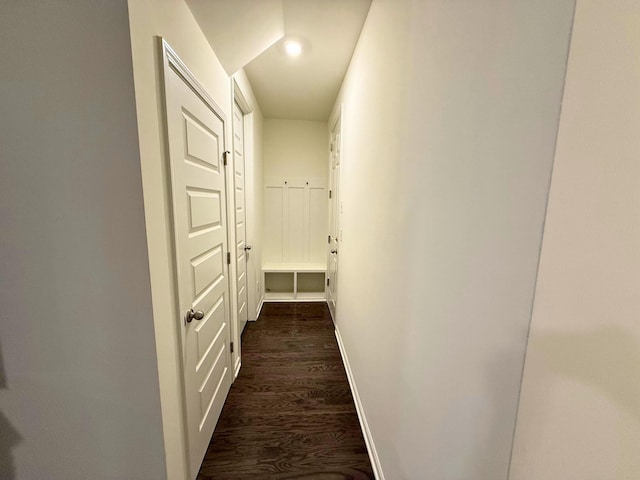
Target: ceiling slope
251, 33
306, 87
239, 30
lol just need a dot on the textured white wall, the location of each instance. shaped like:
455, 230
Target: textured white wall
579, 416
79, 394
450, 119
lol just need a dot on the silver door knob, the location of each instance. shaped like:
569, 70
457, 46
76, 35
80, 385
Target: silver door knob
191, 315
247, 247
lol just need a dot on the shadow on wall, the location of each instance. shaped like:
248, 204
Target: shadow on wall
501, 414
603, 358
9, 437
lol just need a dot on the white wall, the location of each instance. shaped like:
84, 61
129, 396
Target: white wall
579, 416
172, 20
79, 395
449, 126
296, 148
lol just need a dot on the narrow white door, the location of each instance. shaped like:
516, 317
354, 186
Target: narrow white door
334, 222
241, 217
196, 146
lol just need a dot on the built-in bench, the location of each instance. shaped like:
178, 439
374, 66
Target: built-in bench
302, 282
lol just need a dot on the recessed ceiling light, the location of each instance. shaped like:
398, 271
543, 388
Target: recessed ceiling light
293, 48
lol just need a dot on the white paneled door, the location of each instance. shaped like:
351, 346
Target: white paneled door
241, 217
196, 147
334, 221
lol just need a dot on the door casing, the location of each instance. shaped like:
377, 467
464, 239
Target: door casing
240, 253
334, 216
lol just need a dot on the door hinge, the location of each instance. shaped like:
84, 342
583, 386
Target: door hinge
225, 156
228, 258
329, 193
327, 282
332, 146
328, 238
231, 347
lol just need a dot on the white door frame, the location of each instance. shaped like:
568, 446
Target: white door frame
171, 61
251, 215
247, 110
241, 106
335, 124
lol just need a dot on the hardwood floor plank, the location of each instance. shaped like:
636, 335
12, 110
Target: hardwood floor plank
290, 413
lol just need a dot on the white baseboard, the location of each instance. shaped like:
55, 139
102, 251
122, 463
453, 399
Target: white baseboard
371, 448
260, 304
294, 300
237, 368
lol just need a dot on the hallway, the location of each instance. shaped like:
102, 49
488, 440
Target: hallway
459, 180
290, 413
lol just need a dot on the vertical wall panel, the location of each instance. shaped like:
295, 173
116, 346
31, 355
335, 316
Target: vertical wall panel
273, 223
296, 219
317, 224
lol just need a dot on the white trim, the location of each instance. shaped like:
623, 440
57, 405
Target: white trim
173, 61
292, 300
248, 110
336, 116
294, 267
334, 132
238, 96
371, 448
260, 305
237, 368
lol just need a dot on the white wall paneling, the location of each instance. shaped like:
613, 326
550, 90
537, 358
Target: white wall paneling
295, 209
295, 220
274, 221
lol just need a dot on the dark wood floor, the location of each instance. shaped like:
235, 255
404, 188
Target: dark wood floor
289, 414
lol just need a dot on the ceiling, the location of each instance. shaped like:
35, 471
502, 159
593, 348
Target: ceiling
251, 33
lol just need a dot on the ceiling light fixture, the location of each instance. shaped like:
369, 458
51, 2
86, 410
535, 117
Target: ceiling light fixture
293, 48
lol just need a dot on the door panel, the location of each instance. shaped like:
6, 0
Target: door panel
196, 145
210, 327
204, 209
334, 222
207, 269
241, 233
